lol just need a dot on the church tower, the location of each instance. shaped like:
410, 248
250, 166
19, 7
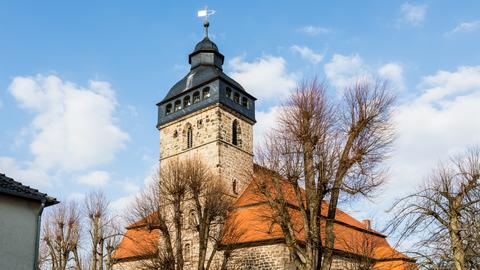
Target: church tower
210, 115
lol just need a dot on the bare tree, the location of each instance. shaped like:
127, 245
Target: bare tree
64, 245
61, 236
181, 184
332, 150
211, 204
103, 232
361, 249
149, 212
444, 214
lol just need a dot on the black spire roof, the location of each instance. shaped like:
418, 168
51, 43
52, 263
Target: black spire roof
205, 45
205, 72
13, 188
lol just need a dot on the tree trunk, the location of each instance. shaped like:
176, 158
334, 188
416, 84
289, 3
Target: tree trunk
178, 232
203, 235
457, 245
100, 253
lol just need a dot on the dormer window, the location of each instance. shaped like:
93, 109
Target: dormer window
168, 109
178, 105
236, 97
196, 97
186, 101
229, 93
206, 92
245, 102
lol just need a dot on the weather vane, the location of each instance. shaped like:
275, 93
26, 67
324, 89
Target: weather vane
205, 13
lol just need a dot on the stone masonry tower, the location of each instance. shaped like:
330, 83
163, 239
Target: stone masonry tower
209, 115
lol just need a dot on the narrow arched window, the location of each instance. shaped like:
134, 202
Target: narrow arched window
186, 252
178, 105
192, 219
235, 132
168, 109
236, 97
234, 187
186, 101
196, 97
228, 92
206, 92
189, 137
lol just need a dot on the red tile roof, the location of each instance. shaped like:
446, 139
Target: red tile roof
252, 216
137, 242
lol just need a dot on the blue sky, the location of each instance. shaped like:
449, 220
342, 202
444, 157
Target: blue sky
118, 58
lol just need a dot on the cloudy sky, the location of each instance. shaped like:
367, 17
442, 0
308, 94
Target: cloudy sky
79, 81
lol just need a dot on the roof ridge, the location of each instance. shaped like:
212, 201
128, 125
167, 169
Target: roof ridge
12, 187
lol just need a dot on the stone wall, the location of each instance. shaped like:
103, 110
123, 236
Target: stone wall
263, 257
212, 141
268, 257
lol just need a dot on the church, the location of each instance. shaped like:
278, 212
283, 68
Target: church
209, 114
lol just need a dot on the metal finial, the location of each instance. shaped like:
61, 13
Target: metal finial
206, 24
205, 13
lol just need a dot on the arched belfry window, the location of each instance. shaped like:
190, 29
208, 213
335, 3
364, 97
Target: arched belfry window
245, 103
178, 105
168, 108
228, 93
206, 92
186, 101
235, 132
236, 97
196, 97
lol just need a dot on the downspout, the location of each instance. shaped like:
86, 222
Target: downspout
37, 236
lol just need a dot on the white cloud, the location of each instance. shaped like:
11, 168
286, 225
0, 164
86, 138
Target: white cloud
73, 126
434, 125
76, 196
342, 71
413, 14
95, 178
266, 120
314, 30
120, 204
132, 190
264, 78
308, 54
465, 27
393, 72
24, 172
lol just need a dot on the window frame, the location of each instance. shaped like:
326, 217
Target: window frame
187, 101
206, 92
177, 105
236, 97
196, 97
229, 93
168, 109
245, 102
